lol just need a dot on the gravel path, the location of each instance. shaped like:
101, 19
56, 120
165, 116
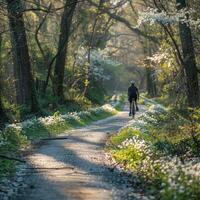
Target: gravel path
74, 167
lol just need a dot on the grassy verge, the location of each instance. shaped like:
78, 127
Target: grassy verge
17, 136
162, 148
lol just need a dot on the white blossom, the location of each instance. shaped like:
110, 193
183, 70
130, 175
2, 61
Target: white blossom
152, 15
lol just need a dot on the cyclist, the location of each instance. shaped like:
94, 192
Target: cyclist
133, 95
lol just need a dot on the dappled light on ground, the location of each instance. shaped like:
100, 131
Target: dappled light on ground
75, 168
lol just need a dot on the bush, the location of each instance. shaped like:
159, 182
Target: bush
15, 137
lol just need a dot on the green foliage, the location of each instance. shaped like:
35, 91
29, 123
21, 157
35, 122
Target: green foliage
11, 141
7, 168
15, 137
15, 112
165, 157
129, 156
186, 188
96, 93
125, 133
180, 130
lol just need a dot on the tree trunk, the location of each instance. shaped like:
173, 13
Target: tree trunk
3, 116
150, 72
151, 82
193, 94
25, 92
2, 112
65, 27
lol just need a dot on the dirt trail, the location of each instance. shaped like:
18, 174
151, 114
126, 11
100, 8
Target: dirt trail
74, 168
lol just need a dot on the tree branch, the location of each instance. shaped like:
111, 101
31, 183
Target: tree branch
11, 158
125, 22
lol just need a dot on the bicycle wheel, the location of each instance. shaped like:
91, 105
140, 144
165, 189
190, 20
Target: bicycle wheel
133, 109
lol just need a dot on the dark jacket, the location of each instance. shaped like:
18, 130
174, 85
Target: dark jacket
133, 92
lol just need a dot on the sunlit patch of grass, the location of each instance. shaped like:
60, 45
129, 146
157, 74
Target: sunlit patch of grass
40, 131
125, 133
129, 156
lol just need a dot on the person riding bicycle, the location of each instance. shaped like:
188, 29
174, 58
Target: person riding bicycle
133, 95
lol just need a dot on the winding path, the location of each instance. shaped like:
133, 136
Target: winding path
73, 167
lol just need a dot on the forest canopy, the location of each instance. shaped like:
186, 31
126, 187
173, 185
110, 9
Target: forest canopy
76, 53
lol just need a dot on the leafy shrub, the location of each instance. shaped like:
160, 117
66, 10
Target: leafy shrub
15, 137
128, 156
96, 93
125, 133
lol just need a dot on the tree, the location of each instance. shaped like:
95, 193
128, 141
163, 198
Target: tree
65, 27
2, 113
25, 92
151, 82
191, 72
123, 20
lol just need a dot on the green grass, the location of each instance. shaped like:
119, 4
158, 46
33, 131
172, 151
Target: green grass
125, 133
55, 129
128, 156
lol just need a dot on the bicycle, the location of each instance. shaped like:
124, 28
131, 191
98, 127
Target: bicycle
132, 109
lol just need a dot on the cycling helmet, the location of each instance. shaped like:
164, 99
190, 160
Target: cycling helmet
132, 82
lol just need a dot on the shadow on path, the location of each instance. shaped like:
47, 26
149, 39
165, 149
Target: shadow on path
74, 168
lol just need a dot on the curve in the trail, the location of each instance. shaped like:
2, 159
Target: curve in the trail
73, 168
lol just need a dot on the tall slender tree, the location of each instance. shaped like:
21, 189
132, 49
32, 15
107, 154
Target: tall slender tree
191, 72
25, 92
151, 81
150, 71
66, 23
2, 112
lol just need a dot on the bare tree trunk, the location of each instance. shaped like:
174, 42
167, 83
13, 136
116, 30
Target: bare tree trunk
3, 116
25, 92
191, 72
2, 112
151, 82
65, 27
150, 72
90, 46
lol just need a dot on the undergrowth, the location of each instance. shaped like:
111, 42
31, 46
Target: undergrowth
17, 136
162, 148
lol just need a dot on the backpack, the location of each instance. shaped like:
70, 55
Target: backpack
132, 91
